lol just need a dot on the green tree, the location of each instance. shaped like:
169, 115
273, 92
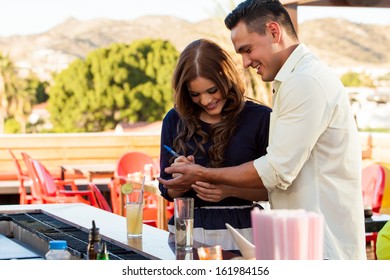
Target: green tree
7, 90
17, 96
353, 79
40, 89
28, 90
124, 82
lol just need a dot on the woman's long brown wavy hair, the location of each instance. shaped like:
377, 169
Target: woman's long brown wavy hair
204, 58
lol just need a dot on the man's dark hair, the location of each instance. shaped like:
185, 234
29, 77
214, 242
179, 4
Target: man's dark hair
257, 13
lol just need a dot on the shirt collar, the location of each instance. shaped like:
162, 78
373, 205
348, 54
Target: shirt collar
289, 65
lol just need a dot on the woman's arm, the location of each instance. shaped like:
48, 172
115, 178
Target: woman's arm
217, 192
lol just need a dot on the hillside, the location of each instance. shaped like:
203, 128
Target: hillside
339, 42
343, 43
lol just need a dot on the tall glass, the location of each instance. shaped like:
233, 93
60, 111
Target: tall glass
184, 222
134, 212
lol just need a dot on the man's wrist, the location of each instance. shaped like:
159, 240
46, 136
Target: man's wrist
204, 174
211, 175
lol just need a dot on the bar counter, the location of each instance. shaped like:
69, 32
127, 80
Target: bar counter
155, 243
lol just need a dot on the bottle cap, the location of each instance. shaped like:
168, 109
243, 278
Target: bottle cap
94, 232
58, 245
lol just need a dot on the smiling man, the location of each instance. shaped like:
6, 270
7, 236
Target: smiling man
313, 160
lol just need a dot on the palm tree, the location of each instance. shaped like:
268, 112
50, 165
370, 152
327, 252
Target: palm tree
16, 95
21, 100
6, 76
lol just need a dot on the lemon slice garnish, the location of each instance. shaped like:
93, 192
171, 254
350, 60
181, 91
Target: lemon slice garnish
127, 188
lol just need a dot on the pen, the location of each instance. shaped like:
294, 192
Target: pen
169, 149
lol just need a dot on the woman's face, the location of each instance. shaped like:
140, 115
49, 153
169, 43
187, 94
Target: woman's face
207, 95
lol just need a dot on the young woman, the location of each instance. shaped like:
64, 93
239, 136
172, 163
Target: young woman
214, 125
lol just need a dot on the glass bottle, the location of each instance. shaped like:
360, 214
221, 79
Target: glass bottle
93, 248
103, 254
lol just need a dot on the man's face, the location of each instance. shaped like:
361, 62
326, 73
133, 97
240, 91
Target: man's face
257, 51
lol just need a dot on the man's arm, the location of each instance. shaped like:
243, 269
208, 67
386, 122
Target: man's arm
241, 175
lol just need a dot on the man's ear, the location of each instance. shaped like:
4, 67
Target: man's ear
274, 30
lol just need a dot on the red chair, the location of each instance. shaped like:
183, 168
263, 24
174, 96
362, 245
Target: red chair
373, 186
57, 190
152, 223
60, 191
24, 197
101, 201
50, 190
35, 189
132, 162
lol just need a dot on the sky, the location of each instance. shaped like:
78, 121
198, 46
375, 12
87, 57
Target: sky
21, 17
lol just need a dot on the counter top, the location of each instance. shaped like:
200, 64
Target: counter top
154, 244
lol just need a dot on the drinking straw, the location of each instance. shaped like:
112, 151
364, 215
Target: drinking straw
143, 183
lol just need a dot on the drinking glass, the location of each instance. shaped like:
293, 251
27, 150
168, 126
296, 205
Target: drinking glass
134, 212
184, 222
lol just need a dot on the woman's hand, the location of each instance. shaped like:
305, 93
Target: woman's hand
217, 192
211, 192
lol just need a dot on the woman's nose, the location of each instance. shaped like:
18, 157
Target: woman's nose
205, 99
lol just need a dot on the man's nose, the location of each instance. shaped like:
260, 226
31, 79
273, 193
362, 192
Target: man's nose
246, 62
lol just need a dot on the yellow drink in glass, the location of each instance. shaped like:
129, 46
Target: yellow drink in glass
134, 217
134, 210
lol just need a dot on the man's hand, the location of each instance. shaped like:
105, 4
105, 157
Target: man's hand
180, 161
189, 174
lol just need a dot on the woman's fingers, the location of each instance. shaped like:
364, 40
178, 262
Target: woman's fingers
208, 192
208, 198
